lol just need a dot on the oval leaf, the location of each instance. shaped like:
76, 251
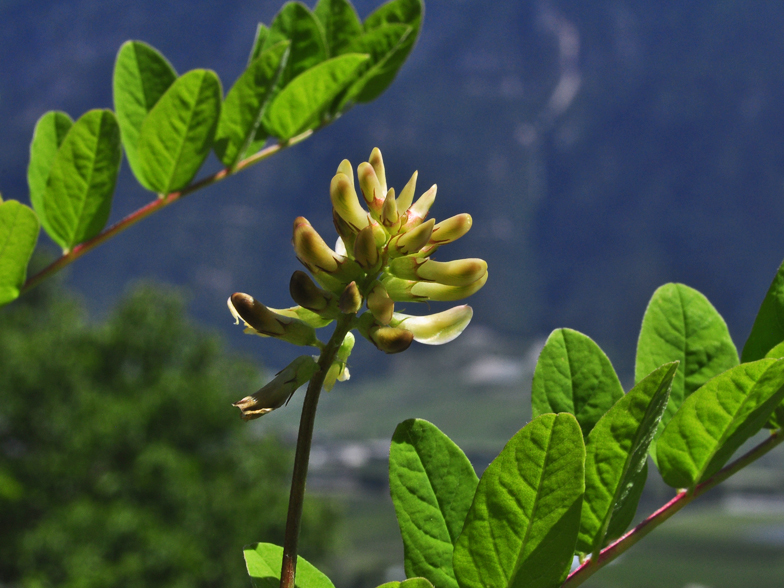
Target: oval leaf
296, 23
717, 419
18, 234
300, 105
263, 561
768, 328
340, 23
82, 178
177, 134
681, 325
141, 76
432, 484
396, 12
50, 131
522, 526
245, 104
574, 375
615, 453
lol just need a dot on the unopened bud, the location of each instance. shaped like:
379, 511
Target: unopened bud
417, 212
435, 329
451, 229
350, 300
365, 251
413, 240
345, 168
279, 390
305, 293
260, 320
308, 317
311, 249
377, 162
371, 188
406, 197
346, 203
460, 272
444, 293
346, 233
391, 339
338, 370
380, 304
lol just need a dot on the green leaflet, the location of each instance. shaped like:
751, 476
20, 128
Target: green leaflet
299, 105
296, 23
768, 328
574, 375
78, 196
776, 420
717, 419
141, 76
18, 234
522, 526
432, 484
176, 135
245, 104
410, 583
340, 23
681, 325
615, 452
397, 11
50, 130
262, 32
263, 561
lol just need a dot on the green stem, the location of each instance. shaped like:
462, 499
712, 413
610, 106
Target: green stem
159, 203
302, 455
616, 548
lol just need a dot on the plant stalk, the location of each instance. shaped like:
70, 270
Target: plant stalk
619, 546
69, 257
302, 456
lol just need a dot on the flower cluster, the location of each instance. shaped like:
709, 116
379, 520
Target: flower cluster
383, 255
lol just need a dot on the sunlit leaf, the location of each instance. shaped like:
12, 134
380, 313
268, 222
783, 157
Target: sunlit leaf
50, 131
258, 42
296, 23
263, 561
776, 420
340, 22
410, 583
768, 328
18, 235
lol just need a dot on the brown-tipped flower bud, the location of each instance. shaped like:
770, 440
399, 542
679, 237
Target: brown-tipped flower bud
391, 339
305, 293
311, 249
406, 197
345, 168
345, 231
451, 229
436, 329
346, 203
260, 320
380, 304
279, 390
460, 272
350, 300
365, 251
413, 240
308, 317
389, 215
377, 162
371, 188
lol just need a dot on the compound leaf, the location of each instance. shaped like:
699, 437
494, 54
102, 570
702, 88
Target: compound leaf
141, 76
177, 134
717, 419
522, 526
49, 133
78, 196
245, 104
263, 561
574, 375
18, 234
300, 105
296, 23
432, 484
615, 452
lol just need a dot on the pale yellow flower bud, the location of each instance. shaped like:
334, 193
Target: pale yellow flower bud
346, 202
371, 188
435, 329
413, 240
377, 162
406, 197
345, 168
380, 304
279, 390
389, 215
365, 251
417, 212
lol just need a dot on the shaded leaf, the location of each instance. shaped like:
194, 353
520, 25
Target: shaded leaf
717, 419
245, 104
177, 134
522, 526
410, 583
768, 328
680, 324
396, 12
615, 452
432, 485
141, 76
574, 375
263, 561
300, 105
18, 235
296, 23
262, 32
627, 509
82, 178
49, 133
340, 23
776, 420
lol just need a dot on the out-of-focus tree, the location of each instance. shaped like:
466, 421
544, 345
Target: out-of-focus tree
121, 461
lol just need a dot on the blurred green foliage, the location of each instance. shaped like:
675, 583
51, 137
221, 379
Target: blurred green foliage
122, 462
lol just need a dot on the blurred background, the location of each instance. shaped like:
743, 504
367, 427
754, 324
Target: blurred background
603, 149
